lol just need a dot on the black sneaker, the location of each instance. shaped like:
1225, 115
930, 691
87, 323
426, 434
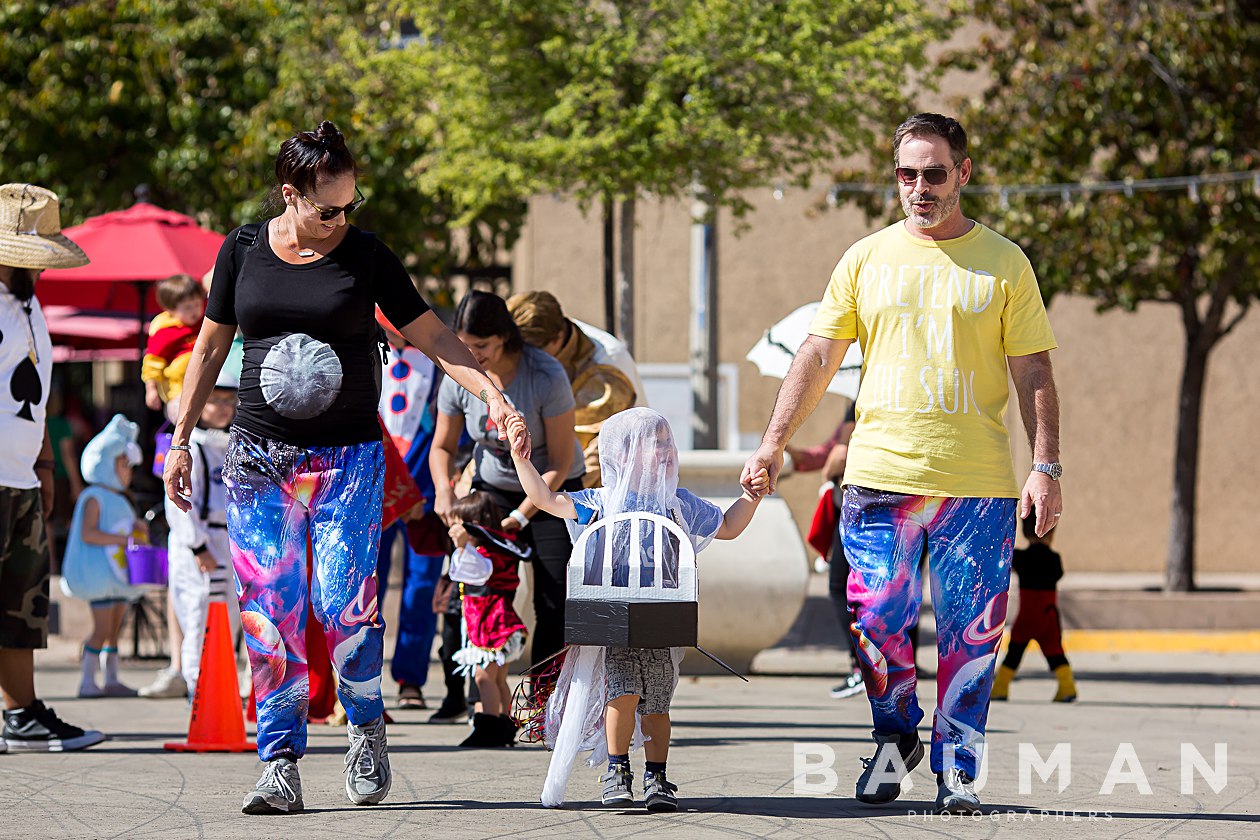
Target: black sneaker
852, 685
908, 753
38, 729
659, 794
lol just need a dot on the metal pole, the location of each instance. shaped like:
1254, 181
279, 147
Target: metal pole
704, 318
626, 277
610, 273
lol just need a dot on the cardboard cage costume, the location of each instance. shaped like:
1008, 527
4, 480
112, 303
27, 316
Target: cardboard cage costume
631, 579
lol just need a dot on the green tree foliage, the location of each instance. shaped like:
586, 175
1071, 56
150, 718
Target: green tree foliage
1130, 89
193, 98
625, 97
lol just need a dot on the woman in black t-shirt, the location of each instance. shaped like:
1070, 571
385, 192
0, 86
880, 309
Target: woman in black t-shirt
305, 460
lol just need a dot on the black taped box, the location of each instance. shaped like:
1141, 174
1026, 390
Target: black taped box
636, 624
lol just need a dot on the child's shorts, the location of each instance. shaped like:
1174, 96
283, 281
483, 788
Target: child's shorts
647, 672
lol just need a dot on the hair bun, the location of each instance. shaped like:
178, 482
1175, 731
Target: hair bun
328, 133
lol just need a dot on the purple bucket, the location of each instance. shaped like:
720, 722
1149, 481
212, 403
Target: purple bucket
146, 565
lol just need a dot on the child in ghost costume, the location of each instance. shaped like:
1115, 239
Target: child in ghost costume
94, 568
621, 696
199, 549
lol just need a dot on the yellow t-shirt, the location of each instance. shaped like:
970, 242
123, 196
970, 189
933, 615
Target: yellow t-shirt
935, 321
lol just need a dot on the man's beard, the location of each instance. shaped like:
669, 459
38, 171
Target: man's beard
945, 205
22, 284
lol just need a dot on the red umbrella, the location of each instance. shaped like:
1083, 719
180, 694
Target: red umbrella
129, 251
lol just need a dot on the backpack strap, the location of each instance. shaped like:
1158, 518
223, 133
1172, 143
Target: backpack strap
246, 243
372, 244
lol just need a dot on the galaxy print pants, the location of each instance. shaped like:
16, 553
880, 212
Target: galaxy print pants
969, 543
278, 495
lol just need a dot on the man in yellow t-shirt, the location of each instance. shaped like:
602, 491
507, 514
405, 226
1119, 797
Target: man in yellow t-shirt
942, 307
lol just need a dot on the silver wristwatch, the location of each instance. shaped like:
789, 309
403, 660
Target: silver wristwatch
1054, 470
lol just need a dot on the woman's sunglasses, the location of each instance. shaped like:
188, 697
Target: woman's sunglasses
327, 214
934, 175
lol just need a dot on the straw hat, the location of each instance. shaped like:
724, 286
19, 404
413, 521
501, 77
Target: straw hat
30, 230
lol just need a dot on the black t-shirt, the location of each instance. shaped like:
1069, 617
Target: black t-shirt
311, 374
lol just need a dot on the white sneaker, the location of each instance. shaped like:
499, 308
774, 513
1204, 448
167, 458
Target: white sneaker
368, 776
167, 683
279, 790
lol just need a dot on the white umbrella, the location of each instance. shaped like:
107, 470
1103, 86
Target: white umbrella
774, 352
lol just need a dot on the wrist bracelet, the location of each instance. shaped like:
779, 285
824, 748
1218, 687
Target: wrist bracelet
177, 447
520, 518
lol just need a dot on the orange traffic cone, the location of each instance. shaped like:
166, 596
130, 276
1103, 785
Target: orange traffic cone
216, 723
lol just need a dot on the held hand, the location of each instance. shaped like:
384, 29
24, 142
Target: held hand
1043, 497
459, 536
177, 478
511, 426
509, 526
759, 484
767, 458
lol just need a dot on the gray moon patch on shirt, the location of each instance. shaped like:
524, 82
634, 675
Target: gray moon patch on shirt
301, 377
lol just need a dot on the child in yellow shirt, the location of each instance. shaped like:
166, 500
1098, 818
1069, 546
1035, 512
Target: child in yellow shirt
172, 335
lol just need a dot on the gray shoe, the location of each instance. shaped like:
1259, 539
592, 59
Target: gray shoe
367, 763
617, 785
659, 794
896, 754
279, 789
955, 793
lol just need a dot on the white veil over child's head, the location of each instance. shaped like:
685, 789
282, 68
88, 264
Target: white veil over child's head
639, 462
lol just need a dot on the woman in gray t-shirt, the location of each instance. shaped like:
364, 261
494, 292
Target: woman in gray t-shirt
537, 386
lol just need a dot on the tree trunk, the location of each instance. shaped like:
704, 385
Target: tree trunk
610, 271
1179, 569
625, 276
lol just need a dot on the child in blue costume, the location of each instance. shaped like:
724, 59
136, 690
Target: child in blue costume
639, 467
95, 565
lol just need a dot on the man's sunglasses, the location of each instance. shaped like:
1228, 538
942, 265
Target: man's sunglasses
327, 214
934, 175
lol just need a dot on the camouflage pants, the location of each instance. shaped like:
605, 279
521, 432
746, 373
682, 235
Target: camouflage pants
23, 570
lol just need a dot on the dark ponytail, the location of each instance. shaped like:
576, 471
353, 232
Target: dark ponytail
310, 158
485, 315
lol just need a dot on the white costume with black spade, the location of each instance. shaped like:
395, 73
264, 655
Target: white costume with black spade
639, 464
26, 368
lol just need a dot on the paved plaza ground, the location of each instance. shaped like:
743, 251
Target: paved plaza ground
733, 757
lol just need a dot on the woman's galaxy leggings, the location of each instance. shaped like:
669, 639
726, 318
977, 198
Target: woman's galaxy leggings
279, 496
969, 542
